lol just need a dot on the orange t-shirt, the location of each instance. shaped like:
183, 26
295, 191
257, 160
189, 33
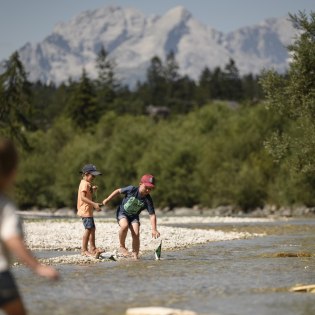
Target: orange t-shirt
84, 210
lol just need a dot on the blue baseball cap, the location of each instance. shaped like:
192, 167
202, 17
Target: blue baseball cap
91, 169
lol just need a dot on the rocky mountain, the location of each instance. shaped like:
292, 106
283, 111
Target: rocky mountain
132, 39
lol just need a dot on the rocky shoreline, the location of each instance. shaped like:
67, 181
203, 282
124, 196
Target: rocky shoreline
222, 211
66, 234
232, 211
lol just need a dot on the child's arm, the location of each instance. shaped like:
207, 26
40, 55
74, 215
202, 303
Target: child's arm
89, 201
155, 232
111, 196
16, 245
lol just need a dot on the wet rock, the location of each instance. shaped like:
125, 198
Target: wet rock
69, 259
304, 288
300, 254
285, 212
225, 211
288, 255
259, 213
157, 311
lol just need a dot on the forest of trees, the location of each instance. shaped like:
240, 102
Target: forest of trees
229, 139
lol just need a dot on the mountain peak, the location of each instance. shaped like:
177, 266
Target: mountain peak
178, 13
132, 39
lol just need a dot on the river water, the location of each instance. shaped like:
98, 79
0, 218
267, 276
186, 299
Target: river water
241, 277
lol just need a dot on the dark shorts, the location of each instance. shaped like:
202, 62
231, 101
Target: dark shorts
131, 219
88, 223
8, 289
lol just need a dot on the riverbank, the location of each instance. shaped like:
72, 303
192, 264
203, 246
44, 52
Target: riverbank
66, 234
268, 211
241, 276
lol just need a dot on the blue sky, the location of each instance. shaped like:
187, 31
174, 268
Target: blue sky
31, 20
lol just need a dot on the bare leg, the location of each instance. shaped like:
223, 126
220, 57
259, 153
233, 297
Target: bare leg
85, 241
135, 233
123, 223
92, 240
15, 307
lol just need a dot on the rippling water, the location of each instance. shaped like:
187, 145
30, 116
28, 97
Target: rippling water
242, 277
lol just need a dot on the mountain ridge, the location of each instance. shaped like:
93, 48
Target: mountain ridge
132, 39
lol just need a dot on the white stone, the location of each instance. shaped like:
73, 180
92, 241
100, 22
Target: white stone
158, 311
67, 234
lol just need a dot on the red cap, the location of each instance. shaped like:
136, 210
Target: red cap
148, 180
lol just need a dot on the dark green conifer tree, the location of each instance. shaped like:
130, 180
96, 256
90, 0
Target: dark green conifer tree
106, 83
204, 86
15, 101
82, 105
156, 83
232, 87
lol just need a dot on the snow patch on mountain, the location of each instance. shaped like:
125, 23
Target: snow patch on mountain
132, 39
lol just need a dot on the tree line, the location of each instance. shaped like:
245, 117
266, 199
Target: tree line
86, 100
229, 139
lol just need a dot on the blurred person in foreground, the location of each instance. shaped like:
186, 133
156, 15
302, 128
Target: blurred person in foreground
11, 236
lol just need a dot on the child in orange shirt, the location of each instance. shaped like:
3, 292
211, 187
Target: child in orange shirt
86, 206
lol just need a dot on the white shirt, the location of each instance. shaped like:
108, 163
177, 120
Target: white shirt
10, 226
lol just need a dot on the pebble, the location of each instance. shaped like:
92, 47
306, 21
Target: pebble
157, 311
66, 235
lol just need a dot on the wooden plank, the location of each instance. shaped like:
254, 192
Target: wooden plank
304, 288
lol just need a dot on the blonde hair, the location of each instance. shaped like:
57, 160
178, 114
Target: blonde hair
8, 159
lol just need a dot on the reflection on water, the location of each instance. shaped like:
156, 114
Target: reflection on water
242, 277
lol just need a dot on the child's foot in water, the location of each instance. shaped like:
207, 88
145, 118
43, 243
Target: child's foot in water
124, 251
97, 250
88, 254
